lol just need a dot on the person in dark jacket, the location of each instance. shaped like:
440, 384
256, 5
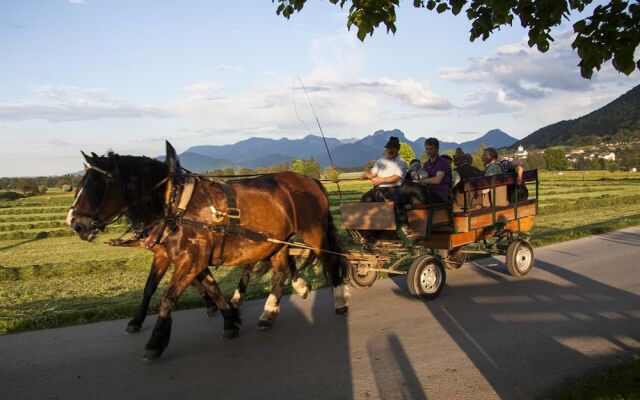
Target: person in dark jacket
463, 169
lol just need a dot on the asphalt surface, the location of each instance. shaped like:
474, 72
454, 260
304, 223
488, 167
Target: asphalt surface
487, 336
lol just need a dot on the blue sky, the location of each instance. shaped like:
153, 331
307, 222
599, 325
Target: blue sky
95, 75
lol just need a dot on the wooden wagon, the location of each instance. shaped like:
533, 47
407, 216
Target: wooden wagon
485, 216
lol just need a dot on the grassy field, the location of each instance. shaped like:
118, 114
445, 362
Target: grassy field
49, 277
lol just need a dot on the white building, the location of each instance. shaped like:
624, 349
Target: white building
521, 153
608, 157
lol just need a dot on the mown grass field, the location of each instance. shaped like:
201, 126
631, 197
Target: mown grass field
49, 277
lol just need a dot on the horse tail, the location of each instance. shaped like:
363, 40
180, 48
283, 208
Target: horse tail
335, 266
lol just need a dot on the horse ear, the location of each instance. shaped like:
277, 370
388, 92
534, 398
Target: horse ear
172, 158
87, 158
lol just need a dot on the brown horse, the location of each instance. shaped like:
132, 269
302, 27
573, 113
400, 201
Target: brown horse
273, 208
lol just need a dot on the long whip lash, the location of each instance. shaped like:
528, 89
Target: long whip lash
295, 107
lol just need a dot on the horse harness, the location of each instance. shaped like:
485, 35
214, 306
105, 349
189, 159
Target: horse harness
231, 214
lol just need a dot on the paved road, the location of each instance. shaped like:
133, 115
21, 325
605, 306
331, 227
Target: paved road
487, 336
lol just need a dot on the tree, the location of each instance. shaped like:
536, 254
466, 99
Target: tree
406, 152
217, 172
229, 171
27, 186
369, 164
611, 32
630, 157
477, 157
555, 159
534, 160
246, 171
310, 168
330, 173
63, 181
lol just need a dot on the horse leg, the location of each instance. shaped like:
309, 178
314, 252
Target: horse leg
201, 281
158, 269
280, 266
184, 274
230, 314
335, 266
238, 294
297, 282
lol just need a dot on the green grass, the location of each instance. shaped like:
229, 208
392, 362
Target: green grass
49, 278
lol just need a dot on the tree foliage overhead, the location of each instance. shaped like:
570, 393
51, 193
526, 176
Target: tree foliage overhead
612, 32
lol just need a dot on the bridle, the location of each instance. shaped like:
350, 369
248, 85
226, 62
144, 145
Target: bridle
96, 223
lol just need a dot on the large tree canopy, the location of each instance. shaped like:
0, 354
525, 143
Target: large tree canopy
612, 32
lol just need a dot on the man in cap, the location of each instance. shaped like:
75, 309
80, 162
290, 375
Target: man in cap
387, 174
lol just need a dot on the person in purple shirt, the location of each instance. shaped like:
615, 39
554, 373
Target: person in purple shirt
430, 187
438, 170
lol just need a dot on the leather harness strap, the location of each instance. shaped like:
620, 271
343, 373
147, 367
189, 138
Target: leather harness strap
231, 214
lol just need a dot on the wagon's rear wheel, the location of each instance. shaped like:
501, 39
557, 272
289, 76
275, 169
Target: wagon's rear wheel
361, 275
454, 258
426, 277
519, 258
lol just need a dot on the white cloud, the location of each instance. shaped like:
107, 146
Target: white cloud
525, 73
70, 103
517, 77
225, 67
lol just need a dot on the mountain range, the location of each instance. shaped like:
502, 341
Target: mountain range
621, 113
263, 152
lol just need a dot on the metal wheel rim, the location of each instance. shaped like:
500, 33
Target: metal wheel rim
430, 278
523, 258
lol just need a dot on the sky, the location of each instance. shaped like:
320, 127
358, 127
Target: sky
99, 75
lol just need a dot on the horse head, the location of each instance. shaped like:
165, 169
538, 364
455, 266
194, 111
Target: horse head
98, 201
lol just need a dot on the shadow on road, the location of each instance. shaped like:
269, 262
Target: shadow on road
582, 323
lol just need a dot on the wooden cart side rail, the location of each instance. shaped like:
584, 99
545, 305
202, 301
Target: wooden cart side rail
449, 241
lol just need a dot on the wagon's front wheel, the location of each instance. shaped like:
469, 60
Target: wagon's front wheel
361, 276
519, 258
426, 277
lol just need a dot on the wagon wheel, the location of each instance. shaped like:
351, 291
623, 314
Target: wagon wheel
519, 259
454, 258
426, 277
361, 275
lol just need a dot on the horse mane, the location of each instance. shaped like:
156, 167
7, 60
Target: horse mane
136, 178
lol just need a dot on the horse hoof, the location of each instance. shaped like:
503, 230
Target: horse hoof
231, 333
211, 311
133, 328
264, 325
152, 354
342, 310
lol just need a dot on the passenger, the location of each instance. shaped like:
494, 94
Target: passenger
438, 171
463, 169
495, 167
416, 172
431, 187
387, 174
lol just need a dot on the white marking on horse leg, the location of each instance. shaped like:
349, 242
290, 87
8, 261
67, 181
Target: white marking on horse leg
341, 295
271, 308
237, 299
301, 287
